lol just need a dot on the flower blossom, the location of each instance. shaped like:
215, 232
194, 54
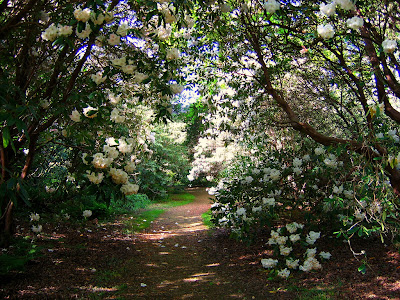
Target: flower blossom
90, 112
389, 46
98, 78
87, 213
271, 6
37, 229
96, 179
172, 54
82, 15
129, 189
325, 255
123, 29
284, 273
312, 237
118, 176
114, 39
292, 264
355, 23
50, 34
116, 117
328, 9
345, 4
269, 201
101, 162
269, 263
75, 116
84, 33
326, 31
34, 217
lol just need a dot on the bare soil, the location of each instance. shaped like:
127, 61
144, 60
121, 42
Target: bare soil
179, 258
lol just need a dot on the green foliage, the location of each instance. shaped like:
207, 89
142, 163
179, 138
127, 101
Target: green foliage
16, 258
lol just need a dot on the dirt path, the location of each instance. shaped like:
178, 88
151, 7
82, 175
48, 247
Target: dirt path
178, 258
173, 258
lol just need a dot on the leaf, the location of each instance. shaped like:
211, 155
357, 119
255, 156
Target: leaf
362, 269
6, 137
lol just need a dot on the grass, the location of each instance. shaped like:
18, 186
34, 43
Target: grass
316, 293
143, 219
207, 219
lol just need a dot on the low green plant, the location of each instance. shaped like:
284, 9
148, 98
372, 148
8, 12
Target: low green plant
17, 257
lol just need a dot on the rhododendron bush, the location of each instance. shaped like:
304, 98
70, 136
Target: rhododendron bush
284, 73
82, 76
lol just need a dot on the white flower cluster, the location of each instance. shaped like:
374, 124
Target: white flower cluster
35, 218
55, 31
87, 213
116, 117
96, 179
285, 244
129, 188
118, 176
271, 6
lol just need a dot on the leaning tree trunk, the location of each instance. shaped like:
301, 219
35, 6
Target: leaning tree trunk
7, 204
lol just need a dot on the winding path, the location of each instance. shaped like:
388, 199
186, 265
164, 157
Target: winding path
175, 259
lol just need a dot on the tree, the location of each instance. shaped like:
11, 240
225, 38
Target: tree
60, 59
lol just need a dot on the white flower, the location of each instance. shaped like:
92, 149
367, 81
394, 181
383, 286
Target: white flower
311, 252
64, 30
297, 162
274, 174
130, 167
359, 215
281, 240
312, 237
325, 255
269, 263
269, 201
284, 273
292, 264
90, 112
274, 234
124, 147
319, 151
75, 116
256, 209
84, 155
84, 33
241, 211
82, 15
271, 6
37, 229
129, 189
98, 78
389, 46
118, 176
139, 77
123, 29
67, 216
111, 142
50, 34
285, 251
116, 117
128, 69
326, 31
87, 213
96, 179
355, 23
34, 217
97, 19
294, 238
172, 54
328, 9
101, 162
114, 39
345, 4
114, 99
291, 228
